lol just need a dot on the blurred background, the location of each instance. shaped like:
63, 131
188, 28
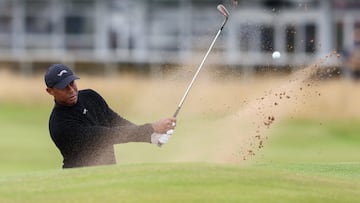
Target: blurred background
140, 56
113, 34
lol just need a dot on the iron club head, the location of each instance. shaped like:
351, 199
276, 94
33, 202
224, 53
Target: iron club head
223, 10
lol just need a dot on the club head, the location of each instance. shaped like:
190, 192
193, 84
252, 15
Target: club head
223, 10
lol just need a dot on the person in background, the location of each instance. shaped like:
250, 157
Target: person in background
352, 57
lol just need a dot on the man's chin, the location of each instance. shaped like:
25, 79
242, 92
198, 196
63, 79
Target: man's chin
72, 100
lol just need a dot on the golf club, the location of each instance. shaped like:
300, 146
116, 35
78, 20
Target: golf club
221, 8
225, 12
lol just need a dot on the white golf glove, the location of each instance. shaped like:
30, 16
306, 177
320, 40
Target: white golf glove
160, 139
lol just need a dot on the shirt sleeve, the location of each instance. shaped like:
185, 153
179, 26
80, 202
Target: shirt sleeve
119, 129
72, 133
117, 134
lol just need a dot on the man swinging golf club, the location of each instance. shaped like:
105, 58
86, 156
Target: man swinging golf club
84, 128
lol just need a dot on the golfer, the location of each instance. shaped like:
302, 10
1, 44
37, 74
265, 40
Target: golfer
84, 128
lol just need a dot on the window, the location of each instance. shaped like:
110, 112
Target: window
267, 39
38, 17
79, 24
5, 24
6, 7
310, 40
290, 39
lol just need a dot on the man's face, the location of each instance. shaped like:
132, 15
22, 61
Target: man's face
67, 96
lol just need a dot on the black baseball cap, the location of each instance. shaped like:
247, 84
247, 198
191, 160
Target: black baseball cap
59, 76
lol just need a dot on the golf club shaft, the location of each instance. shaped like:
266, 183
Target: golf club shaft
198, 70
225, 13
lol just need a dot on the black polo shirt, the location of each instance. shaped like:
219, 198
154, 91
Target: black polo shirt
86, 132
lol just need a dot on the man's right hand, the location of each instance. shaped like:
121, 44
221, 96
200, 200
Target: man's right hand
164, 125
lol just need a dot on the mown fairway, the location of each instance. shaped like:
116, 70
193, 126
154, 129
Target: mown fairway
310, 153
188, 183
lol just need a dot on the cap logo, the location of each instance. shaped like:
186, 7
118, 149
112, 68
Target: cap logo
61, 73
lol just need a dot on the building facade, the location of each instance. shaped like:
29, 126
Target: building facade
174, 31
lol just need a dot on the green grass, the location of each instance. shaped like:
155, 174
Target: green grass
186, 182
303, 161
25, 142
306, 141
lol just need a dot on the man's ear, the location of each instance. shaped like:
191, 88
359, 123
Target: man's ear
49, 90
